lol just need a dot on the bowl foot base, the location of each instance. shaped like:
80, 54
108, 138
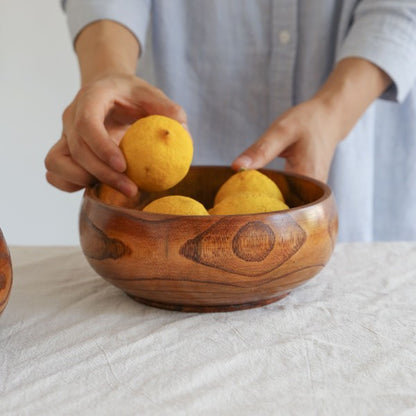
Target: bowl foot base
208, 308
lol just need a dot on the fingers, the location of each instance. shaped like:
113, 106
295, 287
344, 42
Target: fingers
270, 145
61, 183
87, 124
93, 125
98, 169
303, 136
62, 172
309, 156
65, 174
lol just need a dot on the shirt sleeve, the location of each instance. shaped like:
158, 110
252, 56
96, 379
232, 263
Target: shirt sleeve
133, 14
384, 33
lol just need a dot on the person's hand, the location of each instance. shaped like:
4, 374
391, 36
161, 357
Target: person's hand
306, 136
93, 125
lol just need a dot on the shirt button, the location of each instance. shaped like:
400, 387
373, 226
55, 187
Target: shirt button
284, 37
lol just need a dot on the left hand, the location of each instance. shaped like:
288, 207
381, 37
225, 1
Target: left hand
306, 136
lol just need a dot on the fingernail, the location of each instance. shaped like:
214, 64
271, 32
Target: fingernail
185, 126
117, 163
244, 162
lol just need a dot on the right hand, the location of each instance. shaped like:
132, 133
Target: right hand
93, 126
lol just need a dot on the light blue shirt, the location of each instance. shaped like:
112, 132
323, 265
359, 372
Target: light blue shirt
236, 65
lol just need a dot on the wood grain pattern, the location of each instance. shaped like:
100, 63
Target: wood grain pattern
103, 247
211, 263
250, 249
5, 273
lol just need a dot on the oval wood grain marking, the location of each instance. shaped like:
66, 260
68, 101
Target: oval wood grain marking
215, 247
253, 241
99, 245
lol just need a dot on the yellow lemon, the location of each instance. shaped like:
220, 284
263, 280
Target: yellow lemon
248, 181
247, 203
176, 205
158, 152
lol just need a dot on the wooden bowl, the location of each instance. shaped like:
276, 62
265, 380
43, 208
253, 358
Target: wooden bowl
5, 273
210, 263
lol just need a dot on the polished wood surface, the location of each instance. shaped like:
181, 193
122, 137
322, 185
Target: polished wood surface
211, 263
5, 273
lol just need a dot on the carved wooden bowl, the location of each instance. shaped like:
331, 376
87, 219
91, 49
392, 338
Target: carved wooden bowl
210, 263
5, 273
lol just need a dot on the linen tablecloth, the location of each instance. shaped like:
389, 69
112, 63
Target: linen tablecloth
342, 344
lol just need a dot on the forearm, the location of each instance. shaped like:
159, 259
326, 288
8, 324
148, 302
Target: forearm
106, 47
352, 86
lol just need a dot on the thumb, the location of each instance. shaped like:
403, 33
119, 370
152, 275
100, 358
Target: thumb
269, 146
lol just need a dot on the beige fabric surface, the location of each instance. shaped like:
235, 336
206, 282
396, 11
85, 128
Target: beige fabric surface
342, 344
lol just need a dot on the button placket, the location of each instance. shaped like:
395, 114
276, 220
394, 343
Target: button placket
283, 55
284, 37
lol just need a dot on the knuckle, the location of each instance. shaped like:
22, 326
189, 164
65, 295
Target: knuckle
261, 149
66, 115
105, 177
108, 175
284, 129
51, 157
141, 88
154, 90
48, 162
177, 111
80, 123
106, 153
49, 178
76, 151
61, 184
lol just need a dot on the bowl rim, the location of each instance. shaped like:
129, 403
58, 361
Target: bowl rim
90, 192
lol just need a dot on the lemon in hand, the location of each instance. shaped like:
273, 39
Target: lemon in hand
158, 152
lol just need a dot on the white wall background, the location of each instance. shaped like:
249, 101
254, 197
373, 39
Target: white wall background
38, 78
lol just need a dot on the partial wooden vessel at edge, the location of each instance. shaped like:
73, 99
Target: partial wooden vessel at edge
6, 275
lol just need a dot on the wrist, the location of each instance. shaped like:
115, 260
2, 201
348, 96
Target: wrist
349, 90
106, 48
